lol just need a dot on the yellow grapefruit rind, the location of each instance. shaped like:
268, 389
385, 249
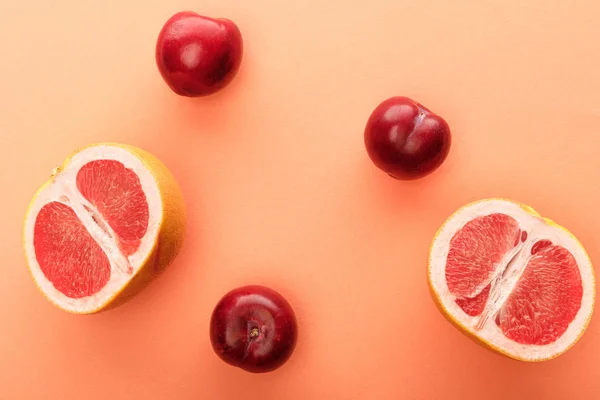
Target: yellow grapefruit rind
464, 329
171, 228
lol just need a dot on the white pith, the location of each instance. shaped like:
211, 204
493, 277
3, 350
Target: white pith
64, 190
490, 332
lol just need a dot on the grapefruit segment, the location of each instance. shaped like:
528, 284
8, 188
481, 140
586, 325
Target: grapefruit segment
78, 273
105, 223
517, 282
478, 251
117, 195
545, 300
474, 305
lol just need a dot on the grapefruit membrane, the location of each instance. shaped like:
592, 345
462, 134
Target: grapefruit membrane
102, 227
511, 279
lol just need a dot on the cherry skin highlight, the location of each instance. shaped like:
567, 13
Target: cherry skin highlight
198, 55
254, 328
405, 139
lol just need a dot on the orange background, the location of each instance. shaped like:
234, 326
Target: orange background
281, 192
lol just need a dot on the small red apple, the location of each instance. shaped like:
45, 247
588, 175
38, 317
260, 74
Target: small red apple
405, 139
198, 55
253, 328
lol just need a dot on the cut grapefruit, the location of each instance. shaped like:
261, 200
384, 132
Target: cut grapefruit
106, 222
511, 279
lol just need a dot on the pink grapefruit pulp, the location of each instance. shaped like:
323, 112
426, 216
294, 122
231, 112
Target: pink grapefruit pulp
102, 227
512, 279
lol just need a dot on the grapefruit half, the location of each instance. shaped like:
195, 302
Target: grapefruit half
108, 220
515, 281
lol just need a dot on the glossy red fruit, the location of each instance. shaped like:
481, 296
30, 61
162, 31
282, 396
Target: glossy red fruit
405, 139
253, 328
198, 55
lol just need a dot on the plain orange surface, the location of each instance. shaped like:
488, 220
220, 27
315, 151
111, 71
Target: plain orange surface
281, 192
